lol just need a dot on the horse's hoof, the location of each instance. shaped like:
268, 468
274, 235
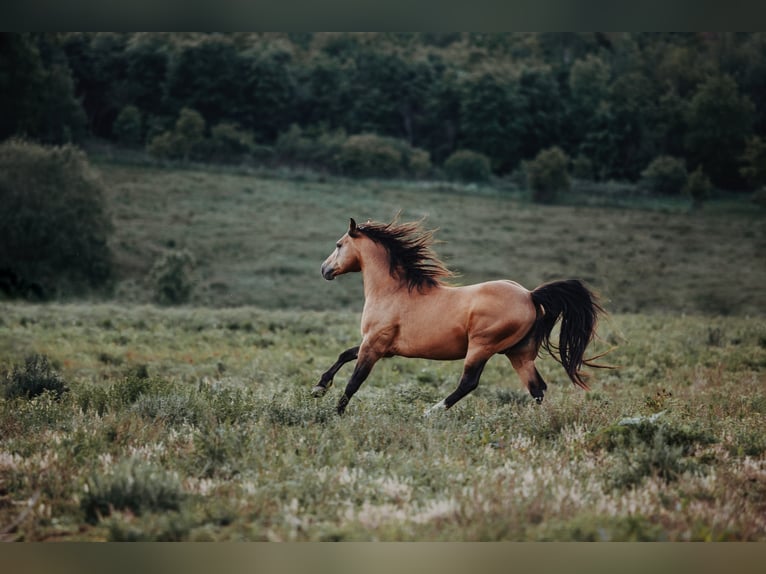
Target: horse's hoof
539, 400
430, 411
318, 391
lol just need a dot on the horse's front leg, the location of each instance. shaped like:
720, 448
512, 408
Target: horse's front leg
363, 367
326, 381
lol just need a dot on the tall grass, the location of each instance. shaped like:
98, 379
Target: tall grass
203, 428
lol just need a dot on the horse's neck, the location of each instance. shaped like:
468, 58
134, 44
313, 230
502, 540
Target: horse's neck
378, 281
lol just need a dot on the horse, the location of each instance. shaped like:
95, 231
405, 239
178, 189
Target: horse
410, 310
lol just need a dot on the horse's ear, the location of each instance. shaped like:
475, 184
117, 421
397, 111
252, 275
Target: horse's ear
352, 228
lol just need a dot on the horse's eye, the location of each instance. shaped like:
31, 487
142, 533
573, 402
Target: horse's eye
338, 245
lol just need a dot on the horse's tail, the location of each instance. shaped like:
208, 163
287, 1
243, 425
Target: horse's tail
578, 308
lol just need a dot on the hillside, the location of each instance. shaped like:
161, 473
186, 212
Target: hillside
259, 240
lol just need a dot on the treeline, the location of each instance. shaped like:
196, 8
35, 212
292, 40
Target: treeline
613, 103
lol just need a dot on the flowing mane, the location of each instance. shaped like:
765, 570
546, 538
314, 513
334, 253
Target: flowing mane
409, 250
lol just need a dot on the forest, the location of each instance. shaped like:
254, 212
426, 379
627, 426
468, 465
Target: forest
612, 102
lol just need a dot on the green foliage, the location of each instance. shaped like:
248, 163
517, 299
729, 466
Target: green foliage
185, 141
131, 485
37, 92
698, 187
128, 127
171, 277
369, 155
582, 167
467, 165
720, 122
36, 377
665, 175
254, 461
229, 143
304, 147
54, 225
648, 448
548, 175
491, 118
618, 99
759, 197
754, 162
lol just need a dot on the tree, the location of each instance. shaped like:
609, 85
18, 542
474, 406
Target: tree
719, 122
54, 226
542, 110
37, 91
698, 188
490, 119
128, 126
754, 162
547, 174
588, 88
207, 74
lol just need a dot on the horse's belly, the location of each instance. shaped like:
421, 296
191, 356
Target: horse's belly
432, 341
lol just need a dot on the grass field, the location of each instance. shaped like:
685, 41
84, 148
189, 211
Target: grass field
259, 241
196, 423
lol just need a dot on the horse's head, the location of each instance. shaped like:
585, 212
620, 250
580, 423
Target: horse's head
346, 258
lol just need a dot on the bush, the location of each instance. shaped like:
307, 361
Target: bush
34, 378
185, 141
698, 187
759, 197
666, 175
370, 155
171, 278
754, 162
53, 222
128, 126
132, 485
467, 165
582, 167
547, 174
229, 143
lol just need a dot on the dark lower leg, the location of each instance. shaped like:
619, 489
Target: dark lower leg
361, 372
468, 382
537, 387
325, 382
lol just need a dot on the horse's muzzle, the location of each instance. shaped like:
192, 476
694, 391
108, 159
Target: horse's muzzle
328, 272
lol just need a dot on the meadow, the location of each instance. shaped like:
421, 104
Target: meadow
138, 422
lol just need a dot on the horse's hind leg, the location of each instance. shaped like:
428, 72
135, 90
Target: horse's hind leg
326, 381
523, 361
472, 370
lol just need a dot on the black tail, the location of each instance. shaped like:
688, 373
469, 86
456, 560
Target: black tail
578, 308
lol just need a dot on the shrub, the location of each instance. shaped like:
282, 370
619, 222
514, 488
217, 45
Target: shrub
229, 143
759, 197
467, 165
666, 175
419, 163
128, 126
185, 141
133, 485
754, 162
171, 278
370, 155
698, 187
582, 167
547, 174
34, 378
53, 222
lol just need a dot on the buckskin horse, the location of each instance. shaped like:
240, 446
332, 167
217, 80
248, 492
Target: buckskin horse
410, 311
